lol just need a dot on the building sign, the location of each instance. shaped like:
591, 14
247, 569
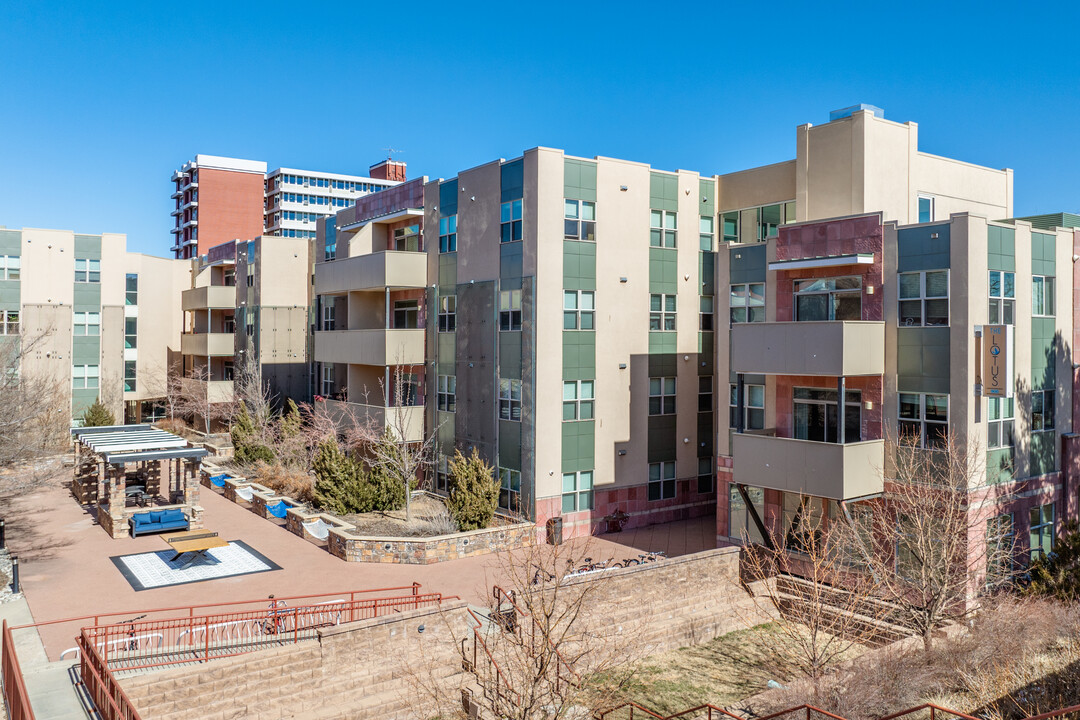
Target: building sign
997, 361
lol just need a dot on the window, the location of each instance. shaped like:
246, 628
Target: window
510, 310
328, 380
816, 415
1000, 544
87, 271
999, 424
748, 302
131, 295
510, 400
924, 419
131, 332
579, 310
577, 400
87, 323
10, 267
249, 324
828, 299
129, 376
328, 315
447, 313
706, 232
662, 312
705, 323
1042, 296
448, 234
227, 370
84, 377
577, 491
1042, 531
741, 524
1042, 410
442, 474
250, 276
924, 298
753, 407
510, 222
704, 475
406, 314
769, 220
661, 481
580, 221
9, 322
663, 229
705, 393
662, 396
729, 225
510, 489
407, 239
926, 209
1002, 292
447, 395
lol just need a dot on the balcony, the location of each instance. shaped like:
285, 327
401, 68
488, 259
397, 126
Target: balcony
370, 347
374, 271
213, 297
220, 391
828, 470
410, 418
217, 344
834, 349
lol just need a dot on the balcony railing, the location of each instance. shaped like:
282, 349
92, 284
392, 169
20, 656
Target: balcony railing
370, 347
215, 344
213, 297
374, 271
835, 349
828, 470
408, 419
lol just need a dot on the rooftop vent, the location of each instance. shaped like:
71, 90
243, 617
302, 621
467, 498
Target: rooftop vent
849, 111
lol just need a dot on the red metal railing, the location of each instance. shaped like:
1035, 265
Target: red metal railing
934, 711
16, 700
564, 674
805, 712
109, 698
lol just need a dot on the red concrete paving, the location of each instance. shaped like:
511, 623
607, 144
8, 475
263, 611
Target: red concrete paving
66, 570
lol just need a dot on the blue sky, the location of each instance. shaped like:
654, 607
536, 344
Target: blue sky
101, 101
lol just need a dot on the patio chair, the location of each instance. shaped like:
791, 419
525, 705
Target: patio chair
278, 509
318, 529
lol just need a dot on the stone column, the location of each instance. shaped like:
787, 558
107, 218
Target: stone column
117, 501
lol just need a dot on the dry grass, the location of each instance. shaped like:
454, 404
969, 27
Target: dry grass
296, 484
430, 518
177, 427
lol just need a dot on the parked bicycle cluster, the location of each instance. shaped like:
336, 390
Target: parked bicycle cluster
589, 565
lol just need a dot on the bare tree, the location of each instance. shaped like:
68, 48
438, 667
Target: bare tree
931, 550
196, 402
36, 404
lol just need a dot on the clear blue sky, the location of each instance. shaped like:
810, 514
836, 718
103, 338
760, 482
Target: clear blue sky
101, 101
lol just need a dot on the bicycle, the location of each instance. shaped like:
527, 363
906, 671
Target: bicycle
541, 575
275, 622
133, 642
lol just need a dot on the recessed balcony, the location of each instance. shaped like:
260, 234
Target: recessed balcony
834, 349
374, 271
822, 469
409, 419
370, 347
207, 344
213, 297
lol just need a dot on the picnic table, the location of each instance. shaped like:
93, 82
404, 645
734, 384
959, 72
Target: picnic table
197, 542
137, 493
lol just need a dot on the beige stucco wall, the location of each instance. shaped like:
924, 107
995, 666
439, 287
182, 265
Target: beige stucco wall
756, 186
161, 282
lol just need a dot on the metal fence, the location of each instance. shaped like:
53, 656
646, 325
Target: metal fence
15, 699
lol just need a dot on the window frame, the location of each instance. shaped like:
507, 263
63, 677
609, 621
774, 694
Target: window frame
9, 322
578, 491
923, 299
507, 485
83, 373
329, 323
10, 267
706, 318
999, 425
664, 482
662, 398
661, 318
746, 303
1042, 526
87, 270
1043, 399
447, 313
1048, 305
578, 313
1001, 303
931, 211
748, 418
510, 314
510, 221
662, 235
578, 404
584, 229
921, 420
85, 324
509, 400
448, 234
446, 393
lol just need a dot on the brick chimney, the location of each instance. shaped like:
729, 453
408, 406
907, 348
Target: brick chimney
388, 170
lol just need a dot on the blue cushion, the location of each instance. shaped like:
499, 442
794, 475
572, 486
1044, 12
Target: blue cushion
155, 515
142, 519
173, 515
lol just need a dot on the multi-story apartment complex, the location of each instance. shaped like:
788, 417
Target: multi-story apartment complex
219, 200
249, 301
609, 335
88, 311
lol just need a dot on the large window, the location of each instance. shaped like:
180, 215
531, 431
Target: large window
10, 267
1042, 531
705, 232
705, 319
924, 298
924, 419
741, 525
447, 395
510, 222
447, 313
510, 489
579, 310
406, 314
577, 491
729, 225
662, 310
442, 474
753, 407
510, 400
87, 271
129, 376
1042, 296
448, 234
131, 294
828, 299
661, 481
816, 415
578, 397
328, 315
926, 208
999, 423
510, 310
407, 238
131, 332
87, 323
662, 396
748, 302
1042, 410
9, 322
328, 380
85, 377
1002, 294
663, 227
580, 220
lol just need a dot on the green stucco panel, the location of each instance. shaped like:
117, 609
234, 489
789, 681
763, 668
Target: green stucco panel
707, 273
82, 399
663, 270
10, 294
1042, 453
747, 264
510, 444
922, 360
662, 440
86, 350
579, 180
10, 242
88, 247
664, 193
662, 342
706, 353
578, 445
579, 265
1001, 248
512, 179
920, 250
579, 355
448, 271
1043, 353
1000, 465
510, 355
87, 297
1043, 254
446, 353
707, 197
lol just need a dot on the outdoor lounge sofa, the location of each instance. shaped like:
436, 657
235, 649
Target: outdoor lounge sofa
157, 521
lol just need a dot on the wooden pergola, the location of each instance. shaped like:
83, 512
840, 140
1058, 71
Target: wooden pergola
124, 469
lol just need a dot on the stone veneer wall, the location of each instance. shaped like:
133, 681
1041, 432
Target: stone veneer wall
428, 550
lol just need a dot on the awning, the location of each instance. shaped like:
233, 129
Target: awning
391, 217
117, 439
823, 261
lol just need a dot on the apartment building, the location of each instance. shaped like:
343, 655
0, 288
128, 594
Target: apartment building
247, 300
220, 199
100, 317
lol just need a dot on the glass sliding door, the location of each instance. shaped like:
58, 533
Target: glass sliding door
825, 299
815, 415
